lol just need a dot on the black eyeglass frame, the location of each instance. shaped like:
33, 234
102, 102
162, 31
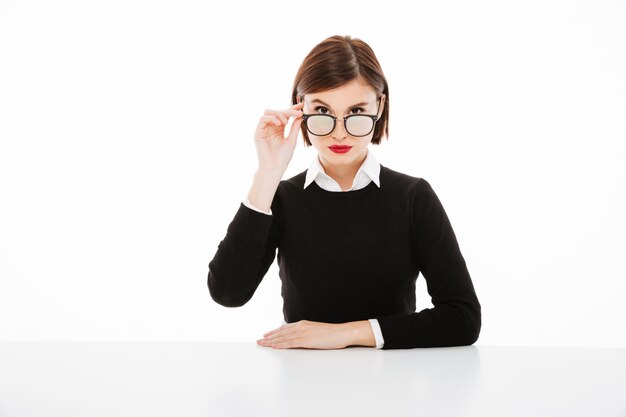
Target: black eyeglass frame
374, 117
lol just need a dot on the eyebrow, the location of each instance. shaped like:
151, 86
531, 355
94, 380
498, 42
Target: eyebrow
363, 103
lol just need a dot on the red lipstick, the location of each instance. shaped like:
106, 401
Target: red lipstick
340, 148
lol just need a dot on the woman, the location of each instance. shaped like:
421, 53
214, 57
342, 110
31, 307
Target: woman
352, 235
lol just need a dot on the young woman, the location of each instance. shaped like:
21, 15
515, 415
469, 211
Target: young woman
352, 235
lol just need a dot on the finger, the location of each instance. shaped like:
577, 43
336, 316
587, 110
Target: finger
285, 331
275, 333
274, 342
287, 112
288, 343
295, 128
279, 329
271, 332
268, 122
268, 342
278, 115
271, 119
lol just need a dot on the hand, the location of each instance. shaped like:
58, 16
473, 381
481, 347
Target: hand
274, 151
306, 334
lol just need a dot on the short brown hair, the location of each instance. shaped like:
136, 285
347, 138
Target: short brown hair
336, 61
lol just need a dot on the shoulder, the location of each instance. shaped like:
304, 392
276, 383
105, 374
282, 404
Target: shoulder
288, 189
411, 185
292, 184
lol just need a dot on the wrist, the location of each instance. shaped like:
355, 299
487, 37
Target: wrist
359, 333
271, 172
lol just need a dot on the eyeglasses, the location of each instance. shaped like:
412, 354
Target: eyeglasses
355, 124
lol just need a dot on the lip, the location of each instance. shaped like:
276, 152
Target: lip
340, 149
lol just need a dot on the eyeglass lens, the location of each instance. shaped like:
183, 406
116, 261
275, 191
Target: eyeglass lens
322, 125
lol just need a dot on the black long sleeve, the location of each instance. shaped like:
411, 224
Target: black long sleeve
243, 256
356, 255
455, 319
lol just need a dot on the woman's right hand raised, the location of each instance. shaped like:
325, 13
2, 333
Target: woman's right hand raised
273, 149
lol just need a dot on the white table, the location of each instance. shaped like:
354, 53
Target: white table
151, 379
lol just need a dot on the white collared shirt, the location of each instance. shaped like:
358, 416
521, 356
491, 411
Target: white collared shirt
368, 171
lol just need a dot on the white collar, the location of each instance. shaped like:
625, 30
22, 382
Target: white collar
369, 167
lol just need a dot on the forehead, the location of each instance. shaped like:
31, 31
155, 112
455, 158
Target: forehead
339, 103
348, 95
322, 102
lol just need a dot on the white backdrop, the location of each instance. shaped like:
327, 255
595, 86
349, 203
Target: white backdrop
126, 132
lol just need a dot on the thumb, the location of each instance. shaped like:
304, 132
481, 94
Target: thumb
295, 128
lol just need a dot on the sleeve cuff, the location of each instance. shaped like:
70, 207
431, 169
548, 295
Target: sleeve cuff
246, 203
378, 334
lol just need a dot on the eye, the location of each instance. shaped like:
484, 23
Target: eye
321, 107
326, 109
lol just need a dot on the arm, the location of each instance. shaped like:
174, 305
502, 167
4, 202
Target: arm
249, 247
455, 319
246, 202
363, 333
358, 333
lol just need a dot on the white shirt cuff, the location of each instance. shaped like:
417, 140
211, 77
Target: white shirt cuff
246, 203
378, 334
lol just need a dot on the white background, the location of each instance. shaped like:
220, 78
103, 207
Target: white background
126, 147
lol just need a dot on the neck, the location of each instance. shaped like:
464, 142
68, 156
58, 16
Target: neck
343, 174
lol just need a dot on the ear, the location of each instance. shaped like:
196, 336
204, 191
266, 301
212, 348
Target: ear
382, 105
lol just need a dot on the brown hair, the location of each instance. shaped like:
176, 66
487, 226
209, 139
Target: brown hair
336, 61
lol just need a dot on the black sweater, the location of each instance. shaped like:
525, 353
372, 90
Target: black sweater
352, 256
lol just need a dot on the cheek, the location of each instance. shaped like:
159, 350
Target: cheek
315, 143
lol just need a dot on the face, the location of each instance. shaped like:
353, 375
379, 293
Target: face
355, 97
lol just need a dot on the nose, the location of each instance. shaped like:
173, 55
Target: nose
339, 132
